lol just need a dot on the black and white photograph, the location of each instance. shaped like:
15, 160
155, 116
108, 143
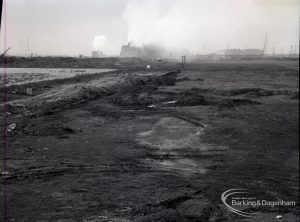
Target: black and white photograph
149, 110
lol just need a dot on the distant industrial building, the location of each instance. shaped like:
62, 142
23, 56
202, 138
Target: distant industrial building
146, 51
249, 53
241, 53
97, 54
130, 51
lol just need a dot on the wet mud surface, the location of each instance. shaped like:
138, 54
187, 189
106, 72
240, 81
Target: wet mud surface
161, 146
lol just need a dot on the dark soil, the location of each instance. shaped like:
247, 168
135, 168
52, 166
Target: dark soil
157, 147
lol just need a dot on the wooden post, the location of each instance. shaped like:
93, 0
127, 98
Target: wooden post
183, 60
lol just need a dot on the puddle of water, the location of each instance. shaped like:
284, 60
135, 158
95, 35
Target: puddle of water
176, 137
171, 133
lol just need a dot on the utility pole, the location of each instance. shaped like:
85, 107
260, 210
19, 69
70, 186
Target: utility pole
291, 51
183, 60
27, 52
265, 48
295, 50
273, 51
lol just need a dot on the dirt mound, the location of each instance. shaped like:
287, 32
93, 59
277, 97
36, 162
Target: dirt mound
63, 98
145, 94
134, 100
235, 92
191, 97
130, 91
67, 96
253, 92
237, 102
191, 101
139, 91
294, 95
56, 129
183, 79
188, 79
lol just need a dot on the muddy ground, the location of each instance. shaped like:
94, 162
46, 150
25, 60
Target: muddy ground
154, 145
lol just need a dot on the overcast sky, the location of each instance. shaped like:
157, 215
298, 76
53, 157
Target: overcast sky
73, 27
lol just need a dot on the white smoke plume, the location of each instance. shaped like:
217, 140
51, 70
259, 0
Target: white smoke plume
199, 25
99, 42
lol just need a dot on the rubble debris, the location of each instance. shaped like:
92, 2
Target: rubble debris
237, 102
253, 92
183, 79
170, 102
11, 127
294, 95
29, 91
4, 173
191, 97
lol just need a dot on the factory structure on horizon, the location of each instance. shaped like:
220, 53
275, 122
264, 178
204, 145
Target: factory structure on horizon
97, 54
158, 52
150, 51
154, 52
241, 53
130, 51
